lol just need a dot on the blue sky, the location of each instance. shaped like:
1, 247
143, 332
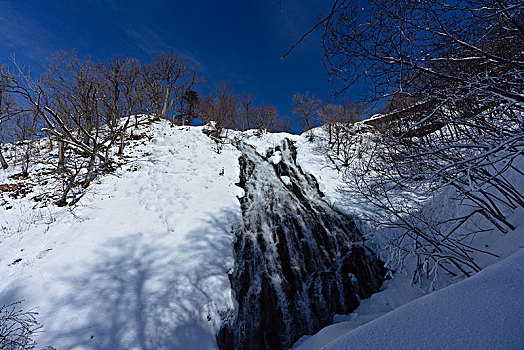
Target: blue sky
237, 41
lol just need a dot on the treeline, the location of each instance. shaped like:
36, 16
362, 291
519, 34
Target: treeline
225, 110
230, 111
88, 109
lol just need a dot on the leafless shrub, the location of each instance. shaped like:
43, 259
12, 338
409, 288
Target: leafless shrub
174, 76
17, 327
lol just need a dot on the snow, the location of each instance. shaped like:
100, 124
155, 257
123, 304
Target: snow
482, 312
285, 180
141, 261
275, 158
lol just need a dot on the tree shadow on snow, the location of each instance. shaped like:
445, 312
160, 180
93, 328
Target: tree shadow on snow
139, 294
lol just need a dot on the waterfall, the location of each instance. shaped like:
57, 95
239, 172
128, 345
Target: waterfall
298, 262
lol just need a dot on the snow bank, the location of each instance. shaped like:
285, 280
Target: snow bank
482, 312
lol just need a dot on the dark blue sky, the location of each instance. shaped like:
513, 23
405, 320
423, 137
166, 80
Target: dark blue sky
237, 41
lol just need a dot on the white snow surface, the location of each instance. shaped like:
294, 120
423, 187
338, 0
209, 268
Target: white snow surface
481, 312
141, 261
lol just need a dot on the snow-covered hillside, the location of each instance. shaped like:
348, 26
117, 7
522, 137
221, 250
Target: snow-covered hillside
146, 258
141, 261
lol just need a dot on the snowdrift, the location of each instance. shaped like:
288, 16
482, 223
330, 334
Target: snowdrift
482, 312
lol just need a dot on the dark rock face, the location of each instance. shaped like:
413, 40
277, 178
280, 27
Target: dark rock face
298, 262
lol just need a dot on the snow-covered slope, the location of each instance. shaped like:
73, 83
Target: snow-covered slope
141, 261
146, 258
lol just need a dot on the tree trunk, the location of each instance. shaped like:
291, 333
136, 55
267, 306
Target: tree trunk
122, 141
90, 168
2, 161
123, 136
69, 181
165, 108
61, 156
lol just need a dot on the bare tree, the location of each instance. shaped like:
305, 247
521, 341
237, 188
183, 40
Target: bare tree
407, 45
284, 123
338, 122
452, 72
247, 110
219, 111
150, 92
119, 96
25, 128
4, 115
455, 69
264, 118
175, 75
330, 114
187, 108
75, 91
131, 95
19, 124
219, 108
305, 106
68, 101
111, 86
